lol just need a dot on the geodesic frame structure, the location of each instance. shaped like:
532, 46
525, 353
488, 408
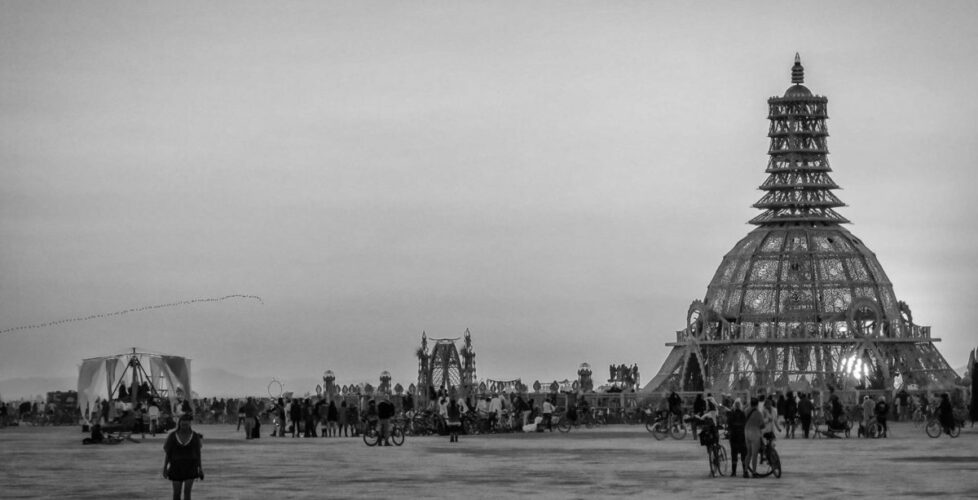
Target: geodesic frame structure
800, 302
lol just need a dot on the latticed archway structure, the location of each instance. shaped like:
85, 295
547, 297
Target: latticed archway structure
445, 366
800, 302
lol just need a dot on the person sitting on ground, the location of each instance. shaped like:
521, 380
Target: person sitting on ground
96, 437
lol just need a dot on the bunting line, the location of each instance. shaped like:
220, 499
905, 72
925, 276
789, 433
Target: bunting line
133, 310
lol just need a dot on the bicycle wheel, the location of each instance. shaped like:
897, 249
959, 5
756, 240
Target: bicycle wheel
563, 425
397, 436
678, 431
955, 430
659, 430
775, 460
711, 457
876, 430
370, 437
723, 465
934, 428
650, 426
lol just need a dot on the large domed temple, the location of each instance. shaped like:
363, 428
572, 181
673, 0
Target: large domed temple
800, 302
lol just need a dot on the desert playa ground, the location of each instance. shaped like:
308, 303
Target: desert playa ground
614, 461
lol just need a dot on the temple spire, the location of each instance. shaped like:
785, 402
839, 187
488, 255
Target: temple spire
797, 71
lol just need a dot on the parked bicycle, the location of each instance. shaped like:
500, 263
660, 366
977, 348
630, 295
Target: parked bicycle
769, 462
935, 429
371, 435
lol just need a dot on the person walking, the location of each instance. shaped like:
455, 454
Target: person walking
790, 415
182, 457
753, 428
805, 410
736, 420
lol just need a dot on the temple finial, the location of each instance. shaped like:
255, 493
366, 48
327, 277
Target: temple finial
797, 71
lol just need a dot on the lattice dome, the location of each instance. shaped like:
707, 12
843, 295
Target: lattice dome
790, 276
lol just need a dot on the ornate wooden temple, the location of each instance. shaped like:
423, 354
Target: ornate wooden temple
800, 302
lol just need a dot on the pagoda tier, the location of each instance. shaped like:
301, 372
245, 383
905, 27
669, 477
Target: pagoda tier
799, 188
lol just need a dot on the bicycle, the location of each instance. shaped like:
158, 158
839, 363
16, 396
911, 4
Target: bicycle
769, 461
717, 456
935, 429
371, 436
670, 425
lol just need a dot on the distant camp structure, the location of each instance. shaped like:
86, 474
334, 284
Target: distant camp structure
446, 366
124, 376
800, 302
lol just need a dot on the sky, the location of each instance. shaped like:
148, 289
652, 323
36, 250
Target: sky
561, 179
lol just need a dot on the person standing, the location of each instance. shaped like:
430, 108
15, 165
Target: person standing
548, 414
805, 410
868, 410
752, 434
332, 415
453, 421
385, 412
181, 461
790, 415
295, 415
736, 421
250, 413
341, 418
154, 416
882, 410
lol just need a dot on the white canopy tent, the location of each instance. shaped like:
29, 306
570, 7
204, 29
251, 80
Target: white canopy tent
168, 376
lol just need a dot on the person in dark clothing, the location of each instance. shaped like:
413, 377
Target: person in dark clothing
699, 407
181, 463
805, 409
738, 447
790, 415
385, 412
882, 410
945, 413
453, 421
295, 415
309, 415
835, 408
675, 404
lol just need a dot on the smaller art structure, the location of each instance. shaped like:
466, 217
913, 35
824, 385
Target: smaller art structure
445, 367
133, 376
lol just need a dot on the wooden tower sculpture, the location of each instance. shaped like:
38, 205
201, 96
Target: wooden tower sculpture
447, 367
800, 302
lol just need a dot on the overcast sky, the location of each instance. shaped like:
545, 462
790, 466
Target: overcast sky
561, 178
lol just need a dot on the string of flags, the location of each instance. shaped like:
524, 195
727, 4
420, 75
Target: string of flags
133, 310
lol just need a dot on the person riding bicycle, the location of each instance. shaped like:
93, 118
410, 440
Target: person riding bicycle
945, 413
675, 404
